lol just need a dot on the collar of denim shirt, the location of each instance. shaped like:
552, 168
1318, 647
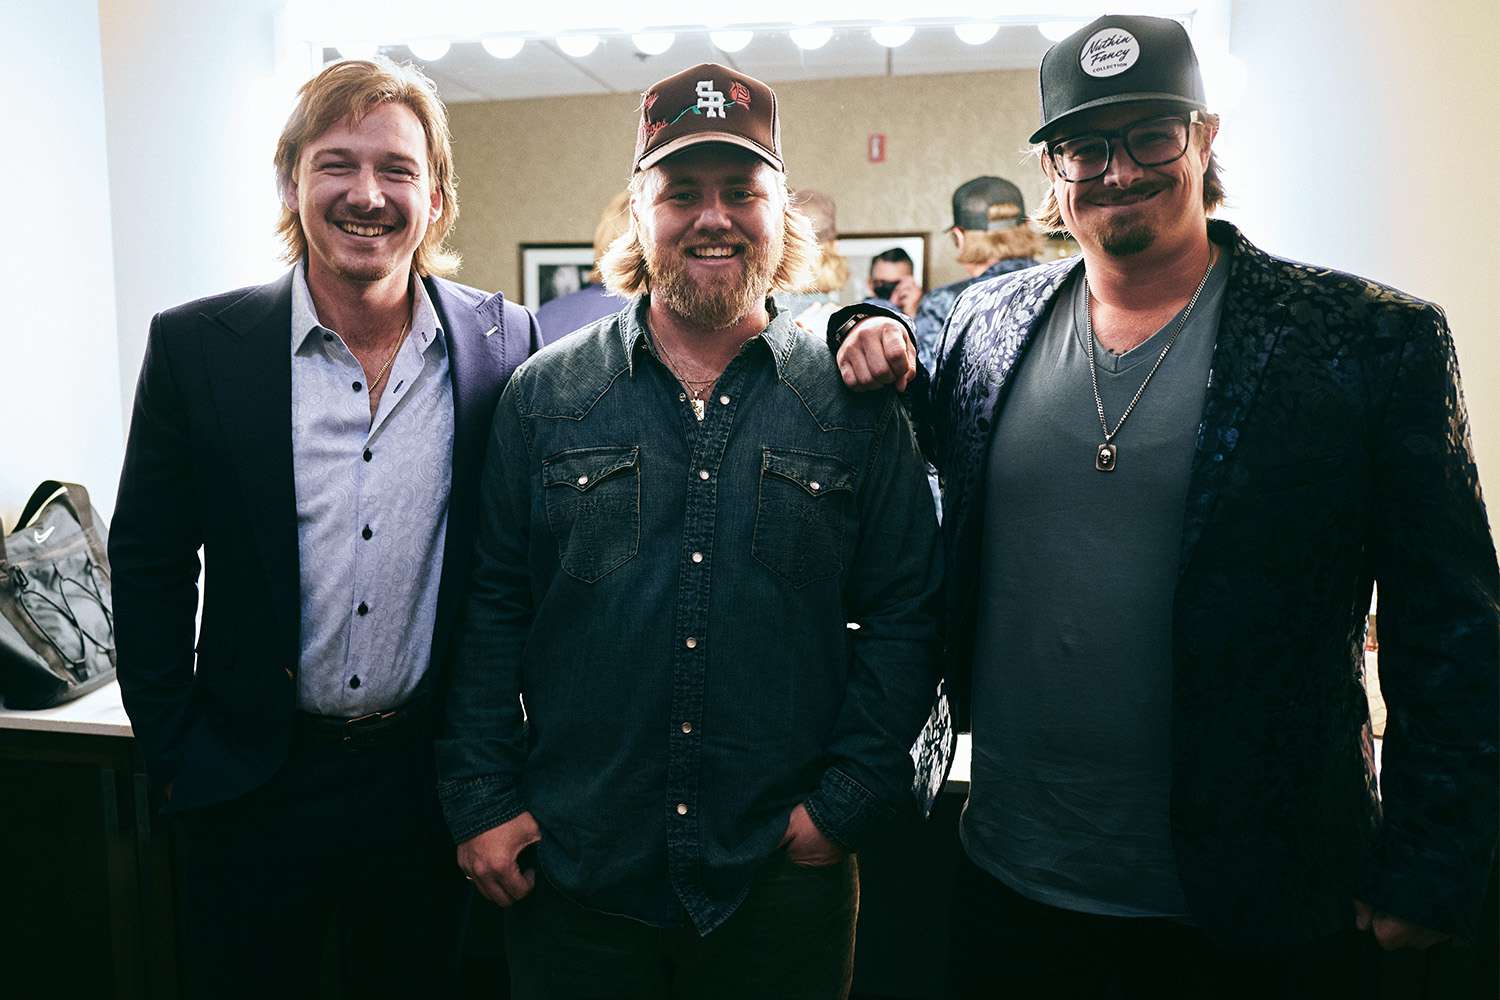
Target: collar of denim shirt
778, 336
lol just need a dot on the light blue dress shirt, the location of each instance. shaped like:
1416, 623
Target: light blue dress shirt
372, 509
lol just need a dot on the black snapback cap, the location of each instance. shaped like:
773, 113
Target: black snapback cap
1114, 59
974, 199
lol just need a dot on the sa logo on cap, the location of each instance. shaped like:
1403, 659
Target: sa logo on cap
1109, 52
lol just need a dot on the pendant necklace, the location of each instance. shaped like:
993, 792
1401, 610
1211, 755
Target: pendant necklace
1108, 453
697, 389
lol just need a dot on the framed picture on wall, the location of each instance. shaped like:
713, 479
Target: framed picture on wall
552, 270
860, 248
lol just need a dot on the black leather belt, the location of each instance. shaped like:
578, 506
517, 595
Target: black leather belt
373, 729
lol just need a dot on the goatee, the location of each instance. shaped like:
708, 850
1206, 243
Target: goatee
716, 305
1123, 241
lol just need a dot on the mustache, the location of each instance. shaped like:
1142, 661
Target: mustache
1135, 192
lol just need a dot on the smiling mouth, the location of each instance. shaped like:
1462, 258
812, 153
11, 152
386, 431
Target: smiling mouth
715, 252
1129, 198
365, 229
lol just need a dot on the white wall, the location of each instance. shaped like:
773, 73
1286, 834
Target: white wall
1366, 140
59, 361
195, 99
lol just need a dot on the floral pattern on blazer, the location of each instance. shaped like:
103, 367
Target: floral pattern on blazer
1333, 451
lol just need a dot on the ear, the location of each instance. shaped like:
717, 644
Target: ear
1210, 133
958, 237
289, 194
436, 212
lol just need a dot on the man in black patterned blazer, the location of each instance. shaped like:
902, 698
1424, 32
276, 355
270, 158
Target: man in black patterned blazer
1171, 476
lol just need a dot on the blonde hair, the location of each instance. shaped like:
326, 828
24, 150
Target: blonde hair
832, 272
988, 246
351, 89
1048, 214
612, 224
625, 271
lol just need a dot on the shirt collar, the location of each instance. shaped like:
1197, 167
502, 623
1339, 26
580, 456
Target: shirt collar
426, 328
779, 337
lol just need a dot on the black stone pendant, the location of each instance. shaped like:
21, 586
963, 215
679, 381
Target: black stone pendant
1104, 458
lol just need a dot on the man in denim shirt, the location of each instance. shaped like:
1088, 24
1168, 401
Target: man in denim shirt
683, 509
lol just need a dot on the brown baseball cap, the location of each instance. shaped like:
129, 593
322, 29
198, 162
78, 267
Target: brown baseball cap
708, 103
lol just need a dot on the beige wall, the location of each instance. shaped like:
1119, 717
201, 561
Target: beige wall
540, 171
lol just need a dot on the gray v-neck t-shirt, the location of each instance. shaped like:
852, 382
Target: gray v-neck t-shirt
1072, 702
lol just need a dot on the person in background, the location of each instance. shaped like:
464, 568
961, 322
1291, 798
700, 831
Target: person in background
993, 237
892, 282
1173, 467
561, 316
810, 306
684, 508
319, 439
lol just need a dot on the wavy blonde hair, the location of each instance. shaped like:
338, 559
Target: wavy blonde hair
626, 274
351, 89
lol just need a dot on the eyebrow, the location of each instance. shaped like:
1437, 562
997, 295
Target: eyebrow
691, 180
349, 154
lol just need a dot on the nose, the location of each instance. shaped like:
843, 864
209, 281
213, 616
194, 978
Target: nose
365, 193
712, 215
1122, 171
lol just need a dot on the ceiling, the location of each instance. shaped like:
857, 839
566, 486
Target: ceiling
468, 73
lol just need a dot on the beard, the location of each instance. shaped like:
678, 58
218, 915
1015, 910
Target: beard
1125, 240
718, 304
1135, 232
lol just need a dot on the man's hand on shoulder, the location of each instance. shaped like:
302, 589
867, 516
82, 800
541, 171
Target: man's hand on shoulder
877, 352
1393, 933
805, 844
490, 860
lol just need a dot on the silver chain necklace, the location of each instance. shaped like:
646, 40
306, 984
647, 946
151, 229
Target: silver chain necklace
1108, 453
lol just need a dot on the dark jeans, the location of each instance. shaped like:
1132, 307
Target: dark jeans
1005, 945
792, 937
340, 848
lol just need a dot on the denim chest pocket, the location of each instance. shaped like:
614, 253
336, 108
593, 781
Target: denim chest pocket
593, 500
806, 500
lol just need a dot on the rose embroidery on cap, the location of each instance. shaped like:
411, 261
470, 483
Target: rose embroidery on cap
740, 94
650, 99
650, 129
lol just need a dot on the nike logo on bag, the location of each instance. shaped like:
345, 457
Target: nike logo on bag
39, 536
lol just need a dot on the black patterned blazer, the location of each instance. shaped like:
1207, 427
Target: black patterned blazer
1333, 452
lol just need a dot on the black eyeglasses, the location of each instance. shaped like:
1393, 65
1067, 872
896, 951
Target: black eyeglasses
1151, 142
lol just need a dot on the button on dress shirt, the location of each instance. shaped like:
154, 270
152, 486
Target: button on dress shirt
372, 509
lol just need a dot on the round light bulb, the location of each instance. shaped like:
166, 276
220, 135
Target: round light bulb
653, 43
975, 32
577, 46
503, 46
892, 35
429, 49
811, 38
1056, 31
730, 41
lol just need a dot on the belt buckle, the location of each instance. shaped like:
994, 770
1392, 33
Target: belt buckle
369, 719
360, 730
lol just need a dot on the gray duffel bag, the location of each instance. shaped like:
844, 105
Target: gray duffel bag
57, 636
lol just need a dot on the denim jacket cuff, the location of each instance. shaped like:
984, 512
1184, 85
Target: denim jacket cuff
474, 805
845, 811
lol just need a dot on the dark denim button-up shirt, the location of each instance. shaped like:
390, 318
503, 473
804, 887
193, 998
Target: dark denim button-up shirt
669, 600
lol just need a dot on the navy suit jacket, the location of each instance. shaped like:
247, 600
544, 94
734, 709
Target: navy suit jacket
208, 464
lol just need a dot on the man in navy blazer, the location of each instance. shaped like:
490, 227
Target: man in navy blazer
319, 439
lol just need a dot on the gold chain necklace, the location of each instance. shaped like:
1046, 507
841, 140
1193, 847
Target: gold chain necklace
394, 351
697, 389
